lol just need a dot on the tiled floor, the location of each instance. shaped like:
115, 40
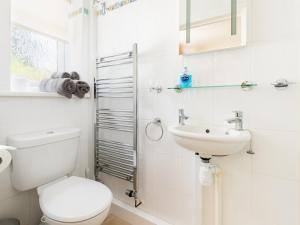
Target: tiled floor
114, 220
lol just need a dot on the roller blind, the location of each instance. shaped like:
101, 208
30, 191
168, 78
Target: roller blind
46, 16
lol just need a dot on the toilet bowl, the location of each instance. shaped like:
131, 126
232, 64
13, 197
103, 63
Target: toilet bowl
74, 200
43, 160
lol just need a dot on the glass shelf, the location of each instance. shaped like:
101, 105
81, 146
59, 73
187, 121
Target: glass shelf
244, 86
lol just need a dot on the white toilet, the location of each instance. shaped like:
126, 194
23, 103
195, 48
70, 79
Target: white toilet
43, 160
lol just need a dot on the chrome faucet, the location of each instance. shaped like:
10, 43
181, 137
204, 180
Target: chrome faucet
237, 120
182, 117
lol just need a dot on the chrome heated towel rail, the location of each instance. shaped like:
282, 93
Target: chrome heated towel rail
113, 92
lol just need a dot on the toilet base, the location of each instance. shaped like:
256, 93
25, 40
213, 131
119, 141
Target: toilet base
97, 220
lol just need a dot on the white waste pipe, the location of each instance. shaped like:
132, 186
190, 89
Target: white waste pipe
218, 196
207, 175
198, 195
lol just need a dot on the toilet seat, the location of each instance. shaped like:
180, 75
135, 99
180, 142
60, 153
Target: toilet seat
74, 199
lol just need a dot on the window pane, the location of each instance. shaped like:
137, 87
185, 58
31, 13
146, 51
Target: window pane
34, 56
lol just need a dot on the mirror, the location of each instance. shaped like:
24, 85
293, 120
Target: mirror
210, 25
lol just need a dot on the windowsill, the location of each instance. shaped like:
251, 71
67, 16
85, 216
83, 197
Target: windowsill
33, 94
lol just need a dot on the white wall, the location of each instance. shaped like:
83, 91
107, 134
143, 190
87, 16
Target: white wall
26, 114
262, 189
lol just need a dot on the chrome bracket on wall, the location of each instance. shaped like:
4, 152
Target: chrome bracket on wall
282, 83
158, 89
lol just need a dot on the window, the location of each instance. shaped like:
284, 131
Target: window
34, 57
38, 42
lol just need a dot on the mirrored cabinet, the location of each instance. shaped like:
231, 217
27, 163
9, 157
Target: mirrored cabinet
210, 25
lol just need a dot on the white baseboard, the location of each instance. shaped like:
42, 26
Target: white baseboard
134, 216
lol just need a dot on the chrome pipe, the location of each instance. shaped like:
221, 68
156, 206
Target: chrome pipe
115, 83
120, 159
117, 175
118, 171
115, 92
114, 124
116, 64
113, 88
109, 96
115, 129
114, 60
123, 151
115, 118
111, 161
116, 166
99, 119
116, 78
114, 115
113, 154
113, 110
130, 150
129, 53
114, 143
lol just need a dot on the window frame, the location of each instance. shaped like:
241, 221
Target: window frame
62, 50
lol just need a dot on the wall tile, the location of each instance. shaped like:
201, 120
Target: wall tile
277, 154
257, 189
16, 207
233, 66
268, 108
275, 20
275, 201
236, 198
275, 59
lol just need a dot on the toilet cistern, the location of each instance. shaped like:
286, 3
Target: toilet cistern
182, 117
63, 199
237, 120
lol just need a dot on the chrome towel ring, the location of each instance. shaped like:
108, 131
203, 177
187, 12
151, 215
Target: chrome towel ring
157, 122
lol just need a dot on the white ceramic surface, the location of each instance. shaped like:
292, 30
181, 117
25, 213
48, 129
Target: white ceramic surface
211, 142
74, 199
5, 159
54, 153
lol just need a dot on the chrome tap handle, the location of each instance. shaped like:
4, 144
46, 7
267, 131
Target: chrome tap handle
182, 117
181, 113
238, 114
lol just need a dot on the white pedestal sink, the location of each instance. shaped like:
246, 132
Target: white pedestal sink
211, 142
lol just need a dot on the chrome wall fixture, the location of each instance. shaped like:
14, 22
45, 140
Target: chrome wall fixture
282, 83
157, 122
158, 89
116, 158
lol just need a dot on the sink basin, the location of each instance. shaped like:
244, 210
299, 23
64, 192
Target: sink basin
210, 142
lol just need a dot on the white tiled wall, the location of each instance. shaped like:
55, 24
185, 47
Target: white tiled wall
260, 189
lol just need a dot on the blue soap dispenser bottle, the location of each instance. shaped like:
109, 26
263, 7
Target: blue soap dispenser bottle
186, 79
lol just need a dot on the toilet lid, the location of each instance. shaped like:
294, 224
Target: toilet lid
74, 199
